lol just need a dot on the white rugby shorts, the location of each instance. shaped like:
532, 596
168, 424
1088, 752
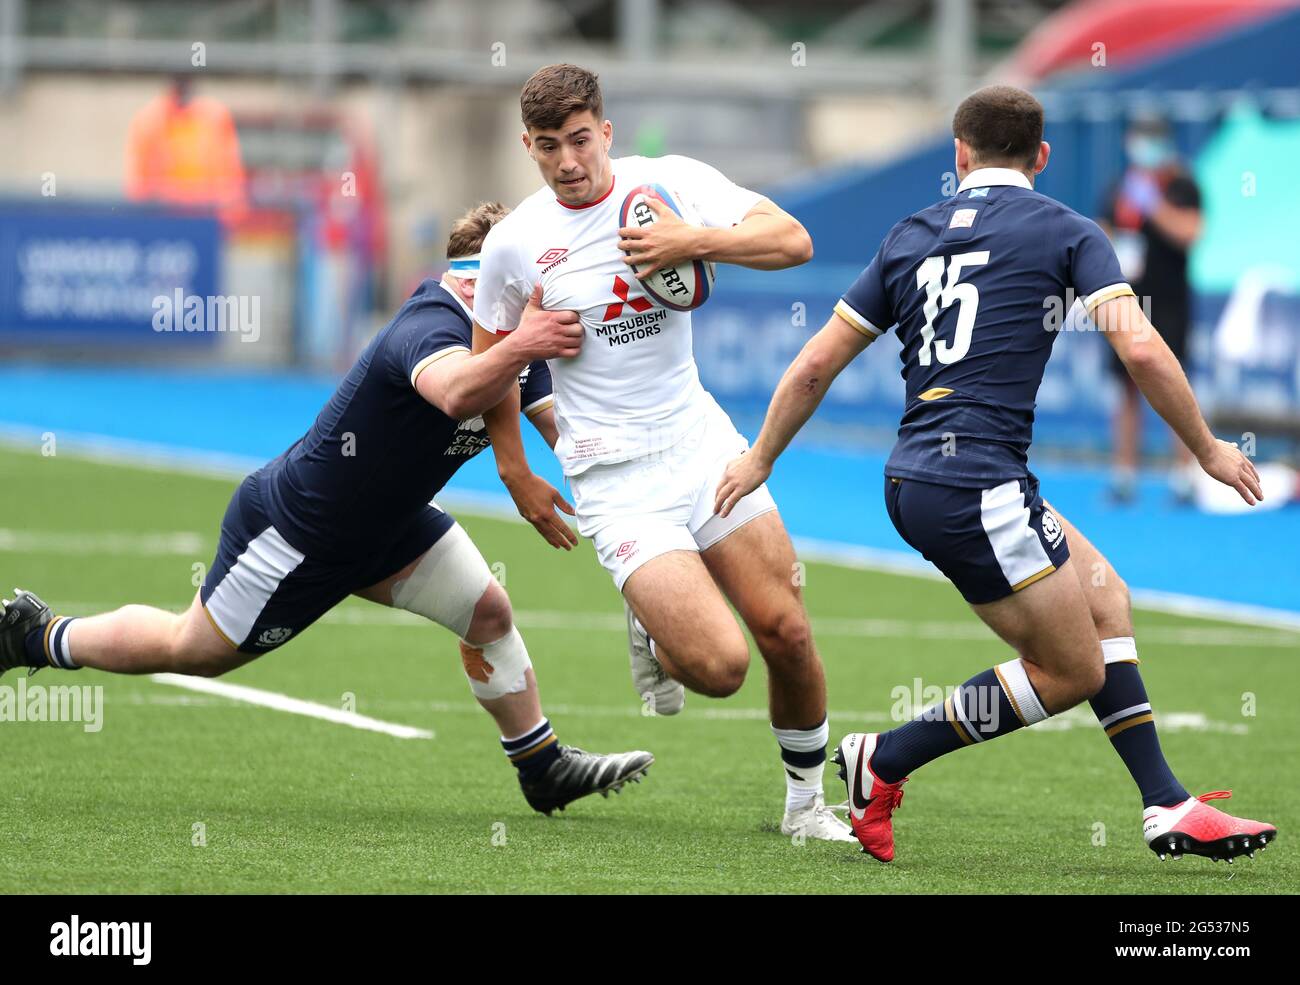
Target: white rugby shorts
636, 510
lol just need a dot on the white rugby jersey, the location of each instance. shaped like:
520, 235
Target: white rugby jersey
634, 388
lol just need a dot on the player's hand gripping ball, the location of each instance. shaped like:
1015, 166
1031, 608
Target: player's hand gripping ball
657, 249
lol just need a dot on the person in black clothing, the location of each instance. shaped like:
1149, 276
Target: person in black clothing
1153, 216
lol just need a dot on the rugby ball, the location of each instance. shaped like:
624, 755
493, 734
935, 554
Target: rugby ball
684, 287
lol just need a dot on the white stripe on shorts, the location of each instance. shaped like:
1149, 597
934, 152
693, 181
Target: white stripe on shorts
243, 593
1015, 543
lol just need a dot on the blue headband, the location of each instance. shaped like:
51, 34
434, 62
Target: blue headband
464, 266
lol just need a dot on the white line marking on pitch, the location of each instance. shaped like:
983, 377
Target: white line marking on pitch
145, 543
294, 706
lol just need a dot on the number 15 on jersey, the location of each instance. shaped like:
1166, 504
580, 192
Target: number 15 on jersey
940, 292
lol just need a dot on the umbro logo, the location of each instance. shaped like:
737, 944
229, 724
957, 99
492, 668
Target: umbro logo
553, 257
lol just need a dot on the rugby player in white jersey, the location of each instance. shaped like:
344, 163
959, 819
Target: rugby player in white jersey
642, 444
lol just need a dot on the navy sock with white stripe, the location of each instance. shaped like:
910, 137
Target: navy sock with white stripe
1125, 713
48, 645
803, 754
995, 702
532, 752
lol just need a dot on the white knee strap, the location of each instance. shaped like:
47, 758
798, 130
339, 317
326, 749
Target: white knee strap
1119, 649
496, 669
1020, 692
446, 587
447, 583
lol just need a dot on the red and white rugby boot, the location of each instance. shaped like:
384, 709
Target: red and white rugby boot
1195, 828
872, 801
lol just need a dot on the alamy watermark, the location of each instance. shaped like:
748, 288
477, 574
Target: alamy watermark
1057, 317
181, 312
102, 938
61, 703
979, 703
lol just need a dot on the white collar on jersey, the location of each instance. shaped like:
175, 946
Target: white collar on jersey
451, 289
984, 177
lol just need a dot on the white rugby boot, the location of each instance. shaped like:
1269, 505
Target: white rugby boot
662, 694
816, 820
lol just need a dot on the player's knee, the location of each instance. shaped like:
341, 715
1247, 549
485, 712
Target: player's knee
723, 676
1114, 594
1111, 606
1088, 680
493, 616
1122, 601
785, 637
194, 648
724, 666
207, 661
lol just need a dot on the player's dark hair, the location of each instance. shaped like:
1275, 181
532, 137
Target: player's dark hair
1001, 125
469, 231
556, 92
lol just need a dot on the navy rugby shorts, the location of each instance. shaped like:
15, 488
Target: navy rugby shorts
988, 542
261, 591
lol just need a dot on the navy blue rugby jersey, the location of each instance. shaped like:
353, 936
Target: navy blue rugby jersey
978, 286
378, 451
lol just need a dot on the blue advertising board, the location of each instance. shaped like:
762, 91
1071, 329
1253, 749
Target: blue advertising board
85, 273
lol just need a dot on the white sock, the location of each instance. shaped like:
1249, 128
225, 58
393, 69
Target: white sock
58, 645
803, 755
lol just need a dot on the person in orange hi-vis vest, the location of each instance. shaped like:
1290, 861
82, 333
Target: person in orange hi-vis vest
184, 150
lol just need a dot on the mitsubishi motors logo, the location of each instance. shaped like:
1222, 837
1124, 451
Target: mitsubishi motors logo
620, 291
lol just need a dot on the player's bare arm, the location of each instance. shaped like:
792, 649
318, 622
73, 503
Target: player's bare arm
544, 421
536, 499
768, 238
1162, 381
462, 385
797, 397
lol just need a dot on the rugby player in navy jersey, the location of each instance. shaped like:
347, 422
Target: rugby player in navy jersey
967, 282
346, 511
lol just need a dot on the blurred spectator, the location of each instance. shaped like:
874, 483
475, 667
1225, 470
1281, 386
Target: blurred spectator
1153, 216
184, 150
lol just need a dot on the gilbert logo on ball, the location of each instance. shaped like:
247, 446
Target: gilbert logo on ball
684, 287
